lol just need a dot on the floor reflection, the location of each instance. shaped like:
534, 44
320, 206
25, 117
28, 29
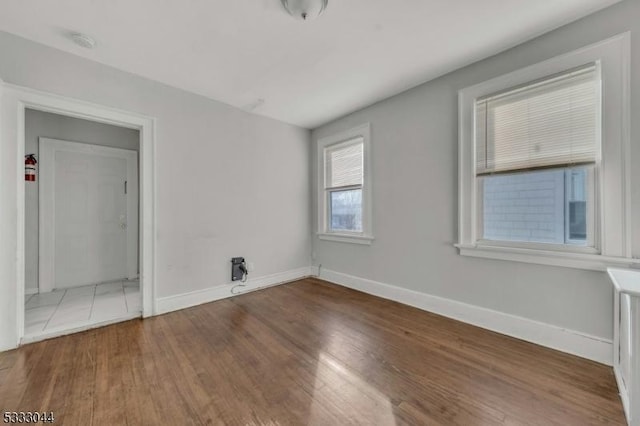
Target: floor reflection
340, 390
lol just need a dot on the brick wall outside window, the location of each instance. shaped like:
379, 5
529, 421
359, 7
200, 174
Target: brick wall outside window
525, 207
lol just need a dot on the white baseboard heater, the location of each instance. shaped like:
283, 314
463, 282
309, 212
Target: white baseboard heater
626, 339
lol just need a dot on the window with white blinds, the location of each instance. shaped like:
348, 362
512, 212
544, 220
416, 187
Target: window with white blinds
549, 123
542, 161
344, 177
344, 186
344, 164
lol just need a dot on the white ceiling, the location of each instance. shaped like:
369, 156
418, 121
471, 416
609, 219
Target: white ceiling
307, 73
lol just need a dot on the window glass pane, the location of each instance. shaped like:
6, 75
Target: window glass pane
576, 205
543, 206
577, 220
346, 210
345, 164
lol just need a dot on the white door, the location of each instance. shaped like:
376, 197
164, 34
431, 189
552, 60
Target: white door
88, 214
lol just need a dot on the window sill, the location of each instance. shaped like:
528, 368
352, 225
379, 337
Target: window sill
344, 238
593, 262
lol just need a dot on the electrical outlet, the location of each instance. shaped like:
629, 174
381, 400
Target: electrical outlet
250, 266
238, 269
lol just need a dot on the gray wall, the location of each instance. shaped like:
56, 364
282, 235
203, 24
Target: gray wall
414, 153
228, 183
43, 124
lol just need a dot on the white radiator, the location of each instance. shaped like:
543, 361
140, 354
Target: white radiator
626, 339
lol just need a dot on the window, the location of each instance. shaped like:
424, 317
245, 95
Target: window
536, 145
543, 162
343, 185
344, 189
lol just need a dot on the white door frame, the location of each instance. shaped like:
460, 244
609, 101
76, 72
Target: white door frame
23, 98
46, 175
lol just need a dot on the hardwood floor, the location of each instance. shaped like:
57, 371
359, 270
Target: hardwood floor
307, 352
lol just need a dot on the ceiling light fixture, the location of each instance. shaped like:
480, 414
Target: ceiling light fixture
83, 40
305, 9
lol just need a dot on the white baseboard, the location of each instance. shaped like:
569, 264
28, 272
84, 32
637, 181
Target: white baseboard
29, 291
194, 298
562, 339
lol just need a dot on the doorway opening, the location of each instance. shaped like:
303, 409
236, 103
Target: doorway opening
81, 225
20, 102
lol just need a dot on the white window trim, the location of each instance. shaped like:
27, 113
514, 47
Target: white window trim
613, 189
366, 236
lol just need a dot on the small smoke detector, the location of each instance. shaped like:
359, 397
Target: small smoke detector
83, 40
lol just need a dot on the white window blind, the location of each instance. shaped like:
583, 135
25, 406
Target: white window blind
549, 123
344, 164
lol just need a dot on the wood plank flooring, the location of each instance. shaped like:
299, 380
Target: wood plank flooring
307, 352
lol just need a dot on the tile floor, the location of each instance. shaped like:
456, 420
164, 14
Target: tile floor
81, 306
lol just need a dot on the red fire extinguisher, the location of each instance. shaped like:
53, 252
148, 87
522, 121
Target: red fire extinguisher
30, 167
